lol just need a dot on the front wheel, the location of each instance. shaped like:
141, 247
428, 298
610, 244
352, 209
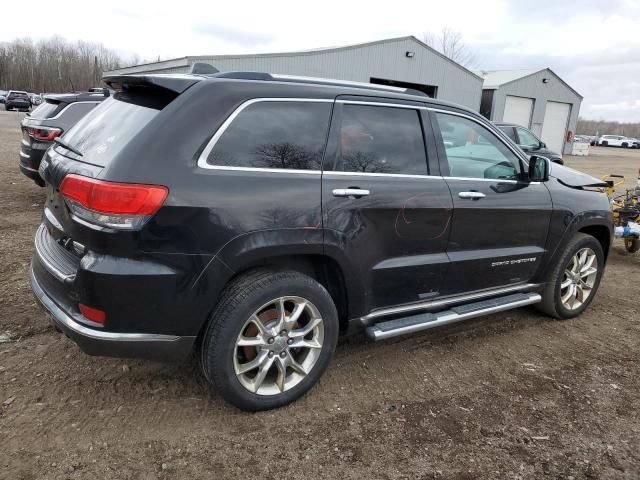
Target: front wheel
574, 281
270, 338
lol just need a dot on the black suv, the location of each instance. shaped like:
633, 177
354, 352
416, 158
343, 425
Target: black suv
53, 117
528, 142
17, 100
253, 218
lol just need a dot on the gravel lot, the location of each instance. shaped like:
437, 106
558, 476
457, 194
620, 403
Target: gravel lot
512, 395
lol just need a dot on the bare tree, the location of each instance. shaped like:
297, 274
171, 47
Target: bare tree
605, 127
54, 64
450, 44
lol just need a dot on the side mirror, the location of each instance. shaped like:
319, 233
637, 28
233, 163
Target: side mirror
538, 169
543, 145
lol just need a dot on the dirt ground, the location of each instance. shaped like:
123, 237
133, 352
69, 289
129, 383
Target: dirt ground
512, 395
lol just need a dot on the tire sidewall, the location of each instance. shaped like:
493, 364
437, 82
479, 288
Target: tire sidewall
592, 243
221, 348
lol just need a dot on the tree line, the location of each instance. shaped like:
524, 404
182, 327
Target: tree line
604, 127
55, 64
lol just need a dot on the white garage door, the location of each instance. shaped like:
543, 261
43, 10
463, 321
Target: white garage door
554, 126
518, 110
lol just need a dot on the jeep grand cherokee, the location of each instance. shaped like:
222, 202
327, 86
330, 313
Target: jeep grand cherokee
253, 218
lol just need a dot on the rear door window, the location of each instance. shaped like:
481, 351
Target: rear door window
274, 134
378, 139
108, 128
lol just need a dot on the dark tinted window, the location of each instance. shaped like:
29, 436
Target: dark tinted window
275, 134
78, 110
473, 151
510, 132
13, 95
106, 130
381, 140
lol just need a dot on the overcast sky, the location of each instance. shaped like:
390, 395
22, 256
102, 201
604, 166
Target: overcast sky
593, 44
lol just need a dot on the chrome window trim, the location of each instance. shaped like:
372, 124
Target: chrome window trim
381, 104
261, 169
493, 180
202, 159
373, 174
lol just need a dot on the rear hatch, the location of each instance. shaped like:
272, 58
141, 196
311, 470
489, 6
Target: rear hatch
37, 131
83, 153
19, 98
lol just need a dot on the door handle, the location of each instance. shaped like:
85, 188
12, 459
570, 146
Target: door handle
471, 195
350, 192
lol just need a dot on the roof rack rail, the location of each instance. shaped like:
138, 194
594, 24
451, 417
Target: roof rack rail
239, 75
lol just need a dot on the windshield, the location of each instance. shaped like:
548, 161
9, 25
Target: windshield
105, 131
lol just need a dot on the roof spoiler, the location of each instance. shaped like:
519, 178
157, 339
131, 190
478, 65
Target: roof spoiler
177, 83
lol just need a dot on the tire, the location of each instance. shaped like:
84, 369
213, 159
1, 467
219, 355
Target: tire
552, 295
225, 364
632, 244
625, 145
605, 144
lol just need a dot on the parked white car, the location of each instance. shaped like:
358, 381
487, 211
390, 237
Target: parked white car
615, 141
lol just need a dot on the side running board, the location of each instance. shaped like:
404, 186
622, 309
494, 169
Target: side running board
424, 321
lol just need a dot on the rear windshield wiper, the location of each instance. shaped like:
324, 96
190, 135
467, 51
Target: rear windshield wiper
62, 143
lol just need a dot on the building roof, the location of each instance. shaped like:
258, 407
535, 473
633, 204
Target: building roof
185, 61
494, 79
497, 78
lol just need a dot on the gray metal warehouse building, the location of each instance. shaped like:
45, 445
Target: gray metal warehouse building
402, 62
536, 99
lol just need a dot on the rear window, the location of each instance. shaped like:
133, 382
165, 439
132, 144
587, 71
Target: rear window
275, 134
46, 110
105, 131
13, 95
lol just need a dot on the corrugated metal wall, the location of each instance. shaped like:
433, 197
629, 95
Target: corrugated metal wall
533, 87
384, 59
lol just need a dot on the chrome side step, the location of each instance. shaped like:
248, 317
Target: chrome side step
424, 321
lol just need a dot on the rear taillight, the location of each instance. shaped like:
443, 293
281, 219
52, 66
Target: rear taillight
125, 206
43, 134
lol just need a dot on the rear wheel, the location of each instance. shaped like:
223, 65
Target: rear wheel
269, 340
574, 281
605, 143
625, 145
